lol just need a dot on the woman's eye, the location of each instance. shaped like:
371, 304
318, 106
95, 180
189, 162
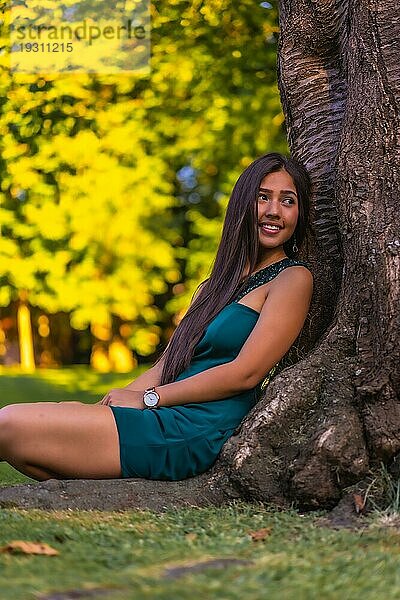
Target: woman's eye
265, 197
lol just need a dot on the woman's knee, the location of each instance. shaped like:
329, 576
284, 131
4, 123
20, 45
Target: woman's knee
10, 421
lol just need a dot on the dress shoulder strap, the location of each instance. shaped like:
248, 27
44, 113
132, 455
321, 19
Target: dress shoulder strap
266, 274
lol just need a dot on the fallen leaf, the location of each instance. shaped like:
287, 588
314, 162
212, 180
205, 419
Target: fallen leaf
359, 503
260, 534
21, 547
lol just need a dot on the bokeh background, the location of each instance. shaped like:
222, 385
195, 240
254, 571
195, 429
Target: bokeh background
114, 187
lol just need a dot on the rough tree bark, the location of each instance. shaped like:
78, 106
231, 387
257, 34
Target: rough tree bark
325, 420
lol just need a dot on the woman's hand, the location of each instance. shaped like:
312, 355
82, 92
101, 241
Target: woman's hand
123, 397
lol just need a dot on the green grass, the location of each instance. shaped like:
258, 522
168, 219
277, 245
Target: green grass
128, 553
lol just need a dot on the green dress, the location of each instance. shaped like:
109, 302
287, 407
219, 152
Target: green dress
177, 442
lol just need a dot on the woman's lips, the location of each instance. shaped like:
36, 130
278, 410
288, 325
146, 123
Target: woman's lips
265, 229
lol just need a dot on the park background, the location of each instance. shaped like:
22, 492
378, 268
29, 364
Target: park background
114, 187
113, 191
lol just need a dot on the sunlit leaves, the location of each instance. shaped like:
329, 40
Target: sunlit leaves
93, 217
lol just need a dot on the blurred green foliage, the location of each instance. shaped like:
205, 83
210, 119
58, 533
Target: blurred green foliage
113, 187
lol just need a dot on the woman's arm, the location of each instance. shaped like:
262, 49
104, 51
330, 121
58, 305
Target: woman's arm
149, 378
280, 322
278, 326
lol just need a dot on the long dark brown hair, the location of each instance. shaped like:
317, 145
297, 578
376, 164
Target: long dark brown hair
239, 246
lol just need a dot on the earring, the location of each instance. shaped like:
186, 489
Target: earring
295, 248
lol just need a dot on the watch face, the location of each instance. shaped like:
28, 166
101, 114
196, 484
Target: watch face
151, 399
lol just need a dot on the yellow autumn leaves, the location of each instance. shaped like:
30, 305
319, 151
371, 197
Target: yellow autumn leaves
94, 220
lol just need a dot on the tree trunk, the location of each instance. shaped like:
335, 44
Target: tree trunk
325, 420
27, 359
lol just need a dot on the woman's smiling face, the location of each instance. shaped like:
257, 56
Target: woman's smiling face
277, 205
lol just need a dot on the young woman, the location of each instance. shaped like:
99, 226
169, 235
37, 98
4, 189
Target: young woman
172, 421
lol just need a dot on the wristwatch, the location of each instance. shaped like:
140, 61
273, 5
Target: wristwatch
151, 398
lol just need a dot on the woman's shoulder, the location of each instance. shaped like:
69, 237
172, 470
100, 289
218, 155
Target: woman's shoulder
299, 261
299, 274
304, 266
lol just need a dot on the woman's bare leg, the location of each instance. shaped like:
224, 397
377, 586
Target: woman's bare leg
63, 440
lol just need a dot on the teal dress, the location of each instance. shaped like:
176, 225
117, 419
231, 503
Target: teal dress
177, 442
